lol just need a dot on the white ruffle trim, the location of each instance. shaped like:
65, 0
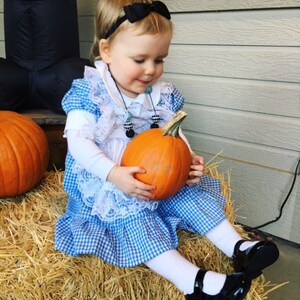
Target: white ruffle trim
108, 202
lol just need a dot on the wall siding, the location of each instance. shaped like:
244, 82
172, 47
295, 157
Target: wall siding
223, 5
238, 65
257, 63
266, 97
245, 127
266, 27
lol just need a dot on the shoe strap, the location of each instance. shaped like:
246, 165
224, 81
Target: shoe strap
198, 287
237, 247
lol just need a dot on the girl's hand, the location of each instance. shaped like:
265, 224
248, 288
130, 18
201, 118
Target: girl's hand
197, 168
123, 179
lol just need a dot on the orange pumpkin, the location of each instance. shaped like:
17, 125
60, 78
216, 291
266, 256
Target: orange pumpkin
24, 154
163, 154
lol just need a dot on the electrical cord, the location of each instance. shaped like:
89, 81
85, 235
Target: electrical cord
285, 200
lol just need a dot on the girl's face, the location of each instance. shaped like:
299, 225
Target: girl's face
135, 60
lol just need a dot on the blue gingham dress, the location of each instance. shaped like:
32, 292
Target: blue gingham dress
128, 237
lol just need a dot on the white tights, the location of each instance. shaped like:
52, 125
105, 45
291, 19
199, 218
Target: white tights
177, 269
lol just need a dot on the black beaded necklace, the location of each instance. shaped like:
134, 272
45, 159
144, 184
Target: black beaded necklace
128, 126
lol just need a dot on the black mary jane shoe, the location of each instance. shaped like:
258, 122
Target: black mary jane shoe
236, 287
254, 259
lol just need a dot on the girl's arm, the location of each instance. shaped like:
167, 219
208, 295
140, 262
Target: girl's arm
88, 155
79, 129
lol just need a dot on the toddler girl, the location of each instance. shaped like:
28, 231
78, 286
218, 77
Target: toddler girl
109, 213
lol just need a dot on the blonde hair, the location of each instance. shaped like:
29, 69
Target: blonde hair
108, 11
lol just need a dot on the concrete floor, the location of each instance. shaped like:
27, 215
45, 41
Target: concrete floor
287, 268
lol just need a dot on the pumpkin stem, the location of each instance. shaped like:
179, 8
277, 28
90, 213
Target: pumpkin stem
171, 128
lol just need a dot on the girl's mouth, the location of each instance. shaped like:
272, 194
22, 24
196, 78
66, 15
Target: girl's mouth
143, 82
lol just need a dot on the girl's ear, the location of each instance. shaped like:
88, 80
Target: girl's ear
104, 49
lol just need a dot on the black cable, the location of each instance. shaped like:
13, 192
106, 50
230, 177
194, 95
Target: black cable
285, 200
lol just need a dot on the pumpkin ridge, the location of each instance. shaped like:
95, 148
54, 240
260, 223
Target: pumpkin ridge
155, 178
171, 147
161, 173
181, 178
183, 154
178, 170
30, 125
25, 165
10, 156
36, 140
30, 163
142, 162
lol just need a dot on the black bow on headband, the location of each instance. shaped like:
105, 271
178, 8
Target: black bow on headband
138, 11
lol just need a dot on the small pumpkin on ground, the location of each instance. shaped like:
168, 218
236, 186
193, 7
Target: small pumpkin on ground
24, 154
163, 154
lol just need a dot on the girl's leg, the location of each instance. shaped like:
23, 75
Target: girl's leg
224, 236
250, 257
175, 268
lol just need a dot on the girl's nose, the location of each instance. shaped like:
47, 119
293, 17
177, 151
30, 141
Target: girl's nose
150, 68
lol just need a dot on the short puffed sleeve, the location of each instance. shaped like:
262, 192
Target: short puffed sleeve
171, 98
78, 98
177, 100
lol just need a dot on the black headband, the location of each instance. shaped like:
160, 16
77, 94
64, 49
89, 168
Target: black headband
138, 11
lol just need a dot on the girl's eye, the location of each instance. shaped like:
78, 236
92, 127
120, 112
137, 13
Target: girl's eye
139, 61
159, 61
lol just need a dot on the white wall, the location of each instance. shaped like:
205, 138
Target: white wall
238, 65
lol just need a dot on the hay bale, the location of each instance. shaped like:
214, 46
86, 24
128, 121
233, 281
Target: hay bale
31, 269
